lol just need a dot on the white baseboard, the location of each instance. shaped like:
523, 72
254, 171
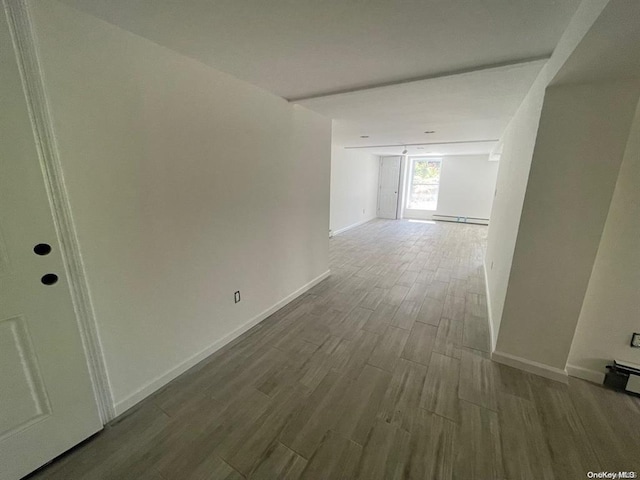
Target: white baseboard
354, 225
585, 374
530, 366
456, 219
489, 313
160, 381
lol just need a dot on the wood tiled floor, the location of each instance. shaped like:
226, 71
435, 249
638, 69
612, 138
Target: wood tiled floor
380, 372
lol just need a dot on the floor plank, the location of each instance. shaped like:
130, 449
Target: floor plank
361, 402
385, 453
525, 451
612, 420
453, 308
402, 398
336, 458
387, 352
306, 429
380, 318
477, 382
431, 447
373, 298
475, 334
396, 294
440, 392
478, 444
420, 343
279, 462
430, 311
249, 448
448, 338
406, 315
567, 440
213, 467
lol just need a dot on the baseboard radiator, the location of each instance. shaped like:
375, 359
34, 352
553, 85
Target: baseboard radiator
461, 219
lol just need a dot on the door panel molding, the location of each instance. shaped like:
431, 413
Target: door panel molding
25, 47
15, 356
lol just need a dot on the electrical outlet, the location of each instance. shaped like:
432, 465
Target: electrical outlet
635, 340
236, 296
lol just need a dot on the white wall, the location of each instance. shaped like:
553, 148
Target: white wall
354, 187
611, 306
467, 185
185, 185
519, 141
580, 145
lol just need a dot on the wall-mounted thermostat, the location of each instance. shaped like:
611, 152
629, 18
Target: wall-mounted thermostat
635, 340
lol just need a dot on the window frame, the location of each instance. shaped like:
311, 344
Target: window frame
411, 169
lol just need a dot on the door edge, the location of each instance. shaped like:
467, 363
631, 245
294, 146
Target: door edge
25, 48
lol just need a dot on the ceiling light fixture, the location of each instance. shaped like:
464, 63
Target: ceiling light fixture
364, 136
430, 131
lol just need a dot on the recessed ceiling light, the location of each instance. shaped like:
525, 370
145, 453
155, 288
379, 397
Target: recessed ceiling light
364, 136
430, 131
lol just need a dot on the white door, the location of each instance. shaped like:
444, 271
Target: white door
389, 187
47, 403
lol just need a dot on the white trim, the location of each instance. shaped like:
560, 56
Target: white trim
460, 219
530, 366
25, 46
160, 381
489, 312
401, 188
413, 214
585, 374
379, 186
353, 225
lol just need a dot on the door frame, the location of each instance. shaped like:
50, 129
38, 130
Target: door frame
402, 188
381, 160
25, 48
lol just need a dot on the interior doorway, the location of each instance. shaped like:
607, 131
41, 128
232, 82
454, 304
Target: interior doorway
389, 187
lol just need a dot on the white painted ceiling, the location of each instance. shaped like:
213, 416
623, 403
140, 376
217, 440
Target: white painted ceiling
307, 48
459, 108
298, 48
